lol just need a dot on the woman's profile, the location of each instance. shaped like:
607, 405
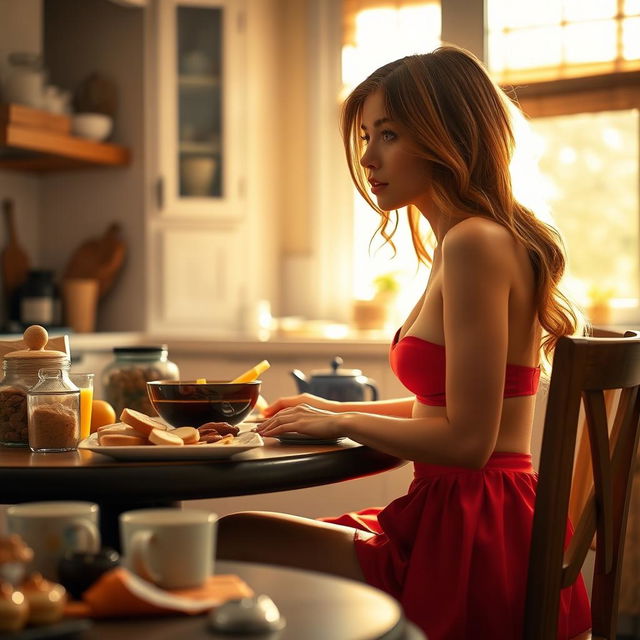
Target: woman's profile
433, 133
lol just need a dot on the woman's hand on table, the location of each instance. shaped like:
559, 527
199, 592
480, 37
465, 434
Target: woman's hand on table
303, 418
302, 398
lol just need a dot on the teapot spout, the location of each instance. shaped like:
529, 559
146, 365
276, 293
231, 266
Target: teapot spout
301, 380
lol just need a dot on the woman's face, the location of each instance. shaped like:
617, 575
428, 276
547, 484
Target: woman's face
396, 175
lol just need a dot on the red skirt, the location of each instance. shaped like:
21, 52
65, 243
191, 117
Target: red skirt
454, 551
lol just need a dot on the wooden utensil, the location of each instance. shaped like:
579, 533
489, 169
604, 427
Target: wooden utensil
15, 262
100, 258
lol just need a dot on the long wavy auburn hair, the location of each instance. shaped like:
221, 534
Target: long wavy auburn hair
461, 125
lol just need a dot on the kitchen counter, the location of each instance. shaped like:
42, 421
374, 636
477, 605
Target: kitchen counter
236, 345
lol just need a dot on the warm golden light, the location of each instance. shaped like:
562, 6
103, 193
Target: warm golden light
383, 35
551, 39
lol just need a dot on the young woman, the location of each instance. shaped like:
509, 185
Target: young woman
432, 132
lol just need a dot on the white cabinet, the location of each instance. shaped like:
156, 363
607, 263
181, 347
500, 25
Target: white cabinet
201, 60
204, 233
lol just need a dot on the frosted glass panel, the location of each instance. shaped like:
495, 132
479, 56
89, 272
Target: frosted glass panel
533, 47
551, 39
199, 62
576, 10
631, 39
591, 41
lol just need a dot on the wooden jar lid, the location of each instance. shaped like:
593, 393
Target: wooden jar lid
35, 338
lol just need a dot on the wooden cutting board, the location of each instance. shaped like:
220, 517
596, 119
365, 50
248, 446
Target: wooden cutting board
100, 258
15, 262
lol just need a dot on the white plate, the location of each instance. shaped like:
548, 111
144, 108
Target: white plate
242, 442
294, 437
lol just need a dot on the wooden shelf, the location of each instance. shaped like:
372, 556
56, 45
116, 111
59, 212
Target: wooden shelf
31, 140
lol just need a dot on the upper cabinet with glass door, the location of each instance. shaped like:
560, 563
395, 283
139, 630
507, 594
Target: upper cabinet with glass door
200, 73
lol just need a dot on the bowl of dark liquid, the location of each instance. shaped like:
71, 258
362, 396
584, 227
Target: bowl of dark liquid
187, 403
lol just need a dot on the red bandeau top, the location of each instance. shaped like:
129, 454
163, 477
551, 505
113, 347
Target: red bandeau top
421, 367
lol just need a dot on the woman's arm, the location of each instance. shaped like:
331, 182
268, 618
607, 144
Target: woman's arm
476, 285
399, 407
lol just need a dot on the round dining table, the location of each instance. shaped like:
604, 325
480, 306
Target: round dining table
315, 606
119, 486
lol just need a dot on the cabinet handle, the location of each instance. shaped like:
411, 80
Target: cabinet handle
160, 192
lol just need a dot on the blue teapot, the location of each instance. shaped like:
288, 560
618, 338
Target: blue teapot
338, 384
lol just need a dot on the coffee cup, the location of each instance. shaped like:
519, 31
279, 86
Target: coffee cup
53, 529
173, 548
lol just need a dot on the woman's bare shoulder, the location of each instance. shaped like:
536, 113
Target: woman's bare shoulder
477, 238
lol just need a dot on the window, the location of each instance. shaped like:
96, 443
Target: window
574, 66
581, 93
551, 39
590, 164
375, 35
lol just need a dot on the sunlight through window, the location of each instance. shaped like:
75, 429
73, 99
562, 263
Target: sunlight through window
590, 165
383, 35
551, 39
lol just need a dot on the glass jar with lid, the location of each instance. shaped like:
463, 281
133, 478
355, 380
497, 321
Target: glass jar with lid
20, 374
53, 407
124, 380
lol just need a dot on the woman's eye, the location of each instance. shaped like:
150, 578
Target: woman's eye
388, 136
365, 138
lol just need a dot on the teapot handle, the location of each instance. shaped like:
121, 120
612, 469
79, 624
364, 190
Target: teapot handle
374, 388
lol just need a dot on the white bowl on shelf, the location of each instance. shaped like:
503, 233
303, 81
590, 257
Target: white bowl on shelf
93, 126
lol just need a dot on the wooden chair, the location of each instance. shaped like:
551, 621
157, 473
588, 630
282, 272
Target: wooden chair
583, 369
582, 483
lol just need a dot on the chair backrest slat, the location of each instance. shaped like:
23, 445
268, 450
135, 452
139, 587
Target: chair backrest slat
596, 417
583, 369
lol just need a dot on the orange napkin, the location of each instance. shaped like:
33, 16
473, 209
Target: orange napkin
120, 593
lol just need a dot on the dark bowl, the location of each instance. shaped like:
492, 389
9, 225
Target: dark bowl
187, 403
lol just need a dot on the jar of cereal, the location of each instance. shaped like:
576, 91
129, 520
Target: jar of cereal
125, 379
20, 374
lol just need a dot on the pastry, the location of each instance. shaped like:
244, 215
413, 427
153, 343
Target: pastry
13, 608
46, 599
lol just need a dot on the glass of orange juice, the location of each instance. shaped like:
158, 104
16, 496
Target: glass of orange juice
84, 382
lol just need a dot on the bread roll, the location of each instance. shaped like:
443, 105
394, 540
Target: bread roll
121, 440
141, 421
161, 437
122, 429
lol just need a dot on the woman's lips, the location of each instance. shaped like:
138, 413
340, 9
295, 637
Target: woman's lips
377, 187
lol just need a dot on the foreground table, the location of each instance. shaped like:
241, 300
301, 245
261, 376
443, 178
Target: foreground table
118, 486
316, 607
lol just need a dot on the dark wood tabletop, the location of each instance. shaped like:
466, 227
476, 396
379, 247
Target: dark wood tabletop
119, 486
316, 606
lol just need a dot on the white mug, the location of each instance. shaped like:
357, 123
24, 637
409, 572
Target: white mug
52, 529
173, 548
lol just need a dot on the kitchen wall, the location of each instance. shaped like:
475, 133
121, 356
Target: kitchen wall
56, 212
21, 30
77, 205
82, 36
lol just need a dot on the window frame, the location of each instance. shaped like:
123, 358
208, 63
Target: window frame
587, 94
617, 91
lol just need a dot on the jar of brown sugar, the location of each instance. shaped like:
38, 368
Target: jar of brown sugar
53, 405
21, 368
